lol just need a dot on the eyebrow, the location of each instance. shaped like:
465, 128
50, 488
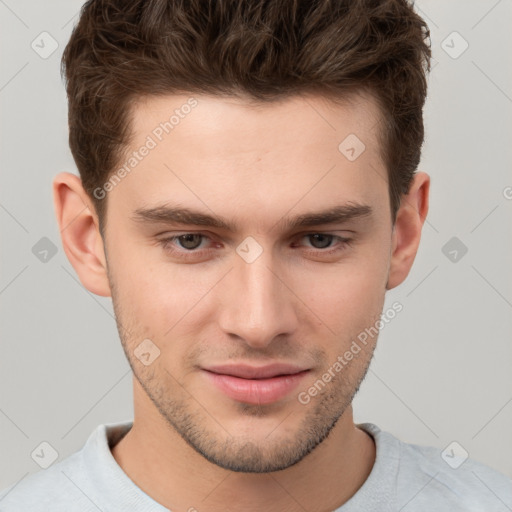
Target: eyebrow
168, 214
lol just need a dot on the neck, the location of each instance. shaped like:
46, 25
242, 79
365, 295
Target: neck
166, 468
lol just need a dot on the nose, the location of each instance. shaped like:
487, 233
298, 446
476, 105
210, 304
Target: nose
256, 304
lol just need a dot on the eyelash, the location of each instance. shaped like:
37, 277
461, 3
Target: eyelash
344, 243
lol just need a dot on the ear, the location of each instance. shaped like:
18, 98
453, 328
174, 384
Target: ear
407, 230
80, 234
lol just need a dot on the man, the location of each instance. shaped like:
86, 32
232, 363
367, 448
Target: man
247, 196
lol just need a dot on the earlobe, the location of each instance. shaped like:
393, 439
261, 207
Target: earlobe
80, 234
407, 230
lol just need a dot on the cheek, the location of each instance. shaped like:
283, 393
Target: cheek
346, 298
157, 298
342, 288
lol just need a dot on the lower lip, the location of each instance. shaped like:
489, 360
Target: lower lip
256, 391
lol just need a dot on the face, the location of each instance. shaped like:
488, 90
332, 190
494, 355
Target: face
246, 252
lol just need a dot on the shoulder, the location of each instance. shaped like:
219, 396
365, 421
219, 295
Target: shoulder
51, 489
448, 477
68, 485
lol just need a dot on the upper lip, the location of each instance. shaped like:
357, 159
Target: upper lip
244, 371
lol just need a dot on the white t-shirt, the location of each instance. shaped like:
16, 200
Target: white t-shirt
405, 478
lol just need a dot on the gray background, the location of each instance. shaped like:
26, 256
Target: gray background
442, 369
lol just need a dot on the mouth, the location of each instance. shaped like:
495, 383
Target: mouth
256, 385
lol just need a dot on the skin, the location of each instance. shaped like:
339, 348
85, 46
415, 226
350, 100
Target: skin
191, 446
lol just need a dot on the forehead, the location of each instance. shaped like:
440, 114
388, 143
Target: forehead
259, 158
207, 117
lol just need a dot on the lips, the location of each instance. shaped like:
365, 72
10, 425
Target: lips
256, 384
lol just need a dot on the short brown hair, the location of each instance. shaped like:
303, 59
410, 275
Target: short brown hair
121, 50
